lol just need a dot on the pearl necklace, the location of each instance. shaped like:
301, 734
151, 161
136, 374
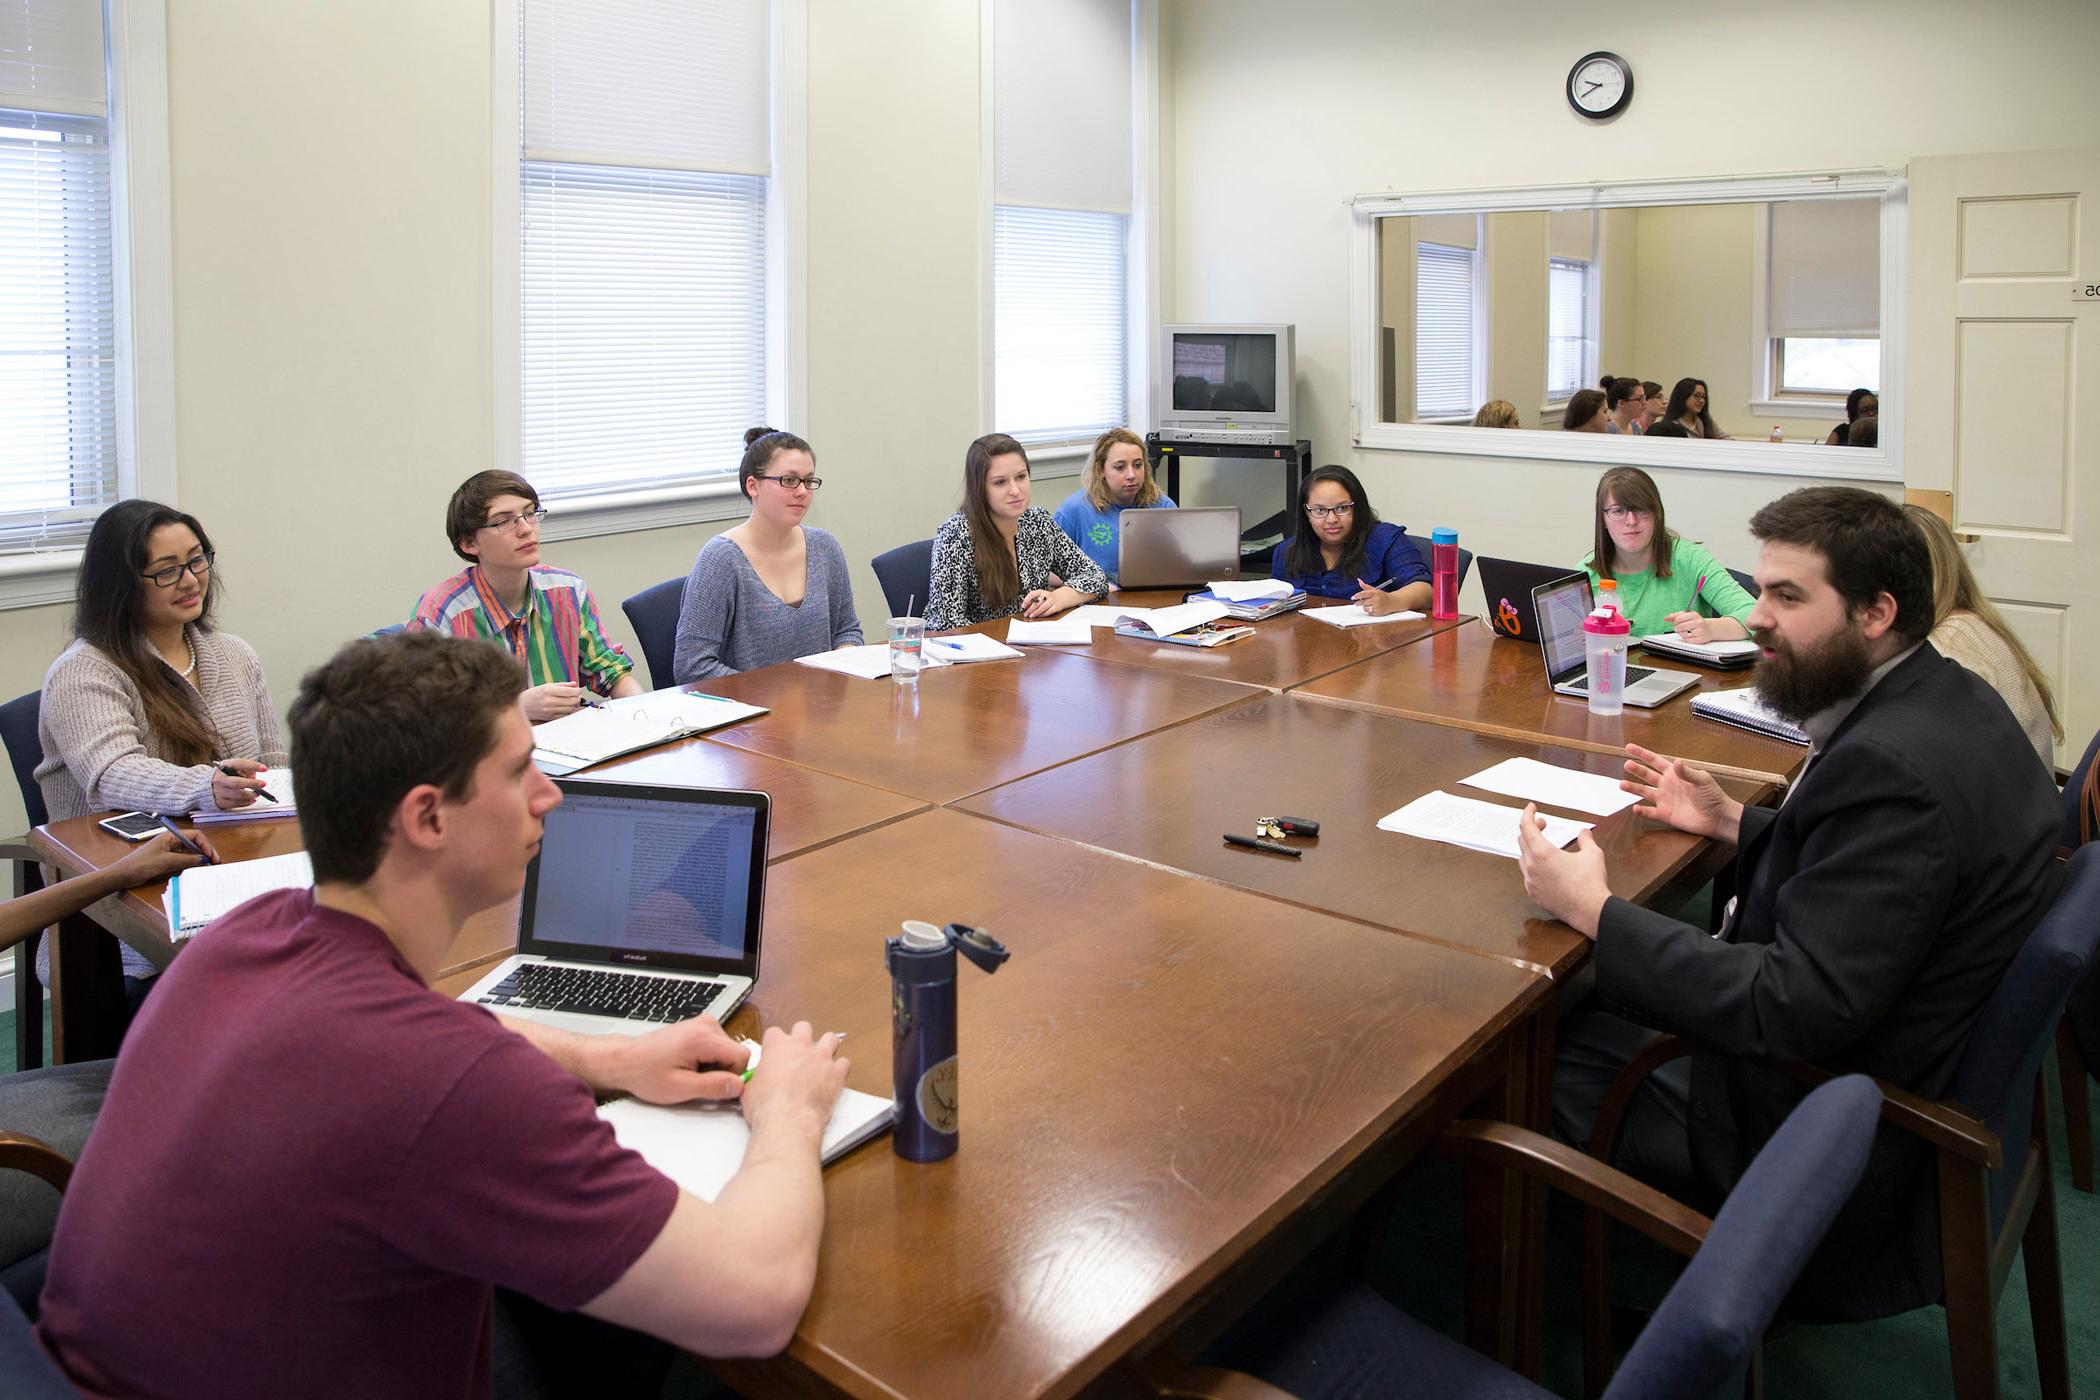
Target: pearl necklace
187, 671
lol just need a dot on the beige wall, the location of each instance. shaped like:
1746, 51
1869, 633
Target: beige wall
1345, 97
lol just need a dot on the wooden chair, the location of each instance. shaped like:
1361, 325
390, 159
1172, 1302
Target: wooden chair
1705, 1333
1994, 1204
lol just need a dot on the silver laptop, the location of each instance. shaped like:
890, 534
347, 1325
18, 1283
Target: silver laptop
1170, 548
641, 908
1560, 607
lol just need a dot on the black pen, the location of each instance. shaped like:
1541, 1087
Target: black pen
1255, 843
232, 772
183, 841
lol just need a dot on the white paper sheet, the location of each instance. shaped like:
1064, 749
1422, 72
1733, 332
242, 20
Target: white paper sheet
1165, 622
1103, 614
1062, 630
1474, 825
965, 647
870, 662
1350, 615
701, 1145
598, 732
1550, 783
1250, 590
203, 892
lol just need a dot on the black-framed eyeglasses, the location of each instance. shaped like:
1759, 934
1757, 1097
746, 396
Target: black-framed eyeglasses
1626, 513
172, 575
792, 483
512, 519
1329, 512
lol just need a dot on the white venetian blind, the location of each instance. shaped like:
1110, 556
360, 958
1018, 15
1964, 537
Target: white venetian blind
642, 257
1567, 322
58, 342
1444, 341
1825, 272
1062, 140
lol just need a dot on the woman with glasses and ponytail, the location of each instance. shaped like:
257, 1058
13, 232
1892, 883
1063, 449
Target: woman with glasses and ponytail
771, 589
151, 708
545, 616
1341, 549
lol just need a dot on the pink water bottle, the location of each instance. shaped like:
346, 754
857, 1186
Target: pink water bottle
1605, 634
1443, 572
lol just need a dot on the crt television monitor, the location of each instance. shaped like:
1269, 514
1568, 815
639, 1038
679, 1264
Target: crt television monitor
1226, 377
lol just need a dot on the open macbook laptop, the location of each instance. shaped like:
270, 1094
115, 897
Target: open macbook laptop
642, 907
1172, 548
1508, 585
1560, 607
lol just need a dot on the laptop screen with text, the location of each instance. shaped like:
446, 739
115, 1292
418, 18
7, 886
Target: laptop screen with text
1561, 608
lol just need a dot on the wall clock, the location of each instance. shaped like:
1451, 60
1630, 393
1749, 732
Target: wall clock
1600, 85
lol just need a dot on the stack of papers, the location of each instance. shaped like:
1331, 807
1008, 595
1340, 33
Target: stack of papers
202, 893
1476, 826
1552, 784
1252, 590
598, 732
871, 662
279, 783
701, 1145
1103, 614
1021, 632
1165, 622
965, 647
1350, 615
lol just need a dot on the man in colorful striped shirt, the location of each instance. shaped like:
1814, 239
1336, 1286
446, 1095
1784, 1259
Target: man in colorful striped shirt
546, 616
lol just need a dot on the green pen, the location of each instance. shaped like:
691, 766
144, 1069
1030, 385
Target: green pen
746, 1075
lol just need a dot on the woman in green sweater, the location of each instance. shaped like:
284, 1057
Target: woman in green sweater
1666, 583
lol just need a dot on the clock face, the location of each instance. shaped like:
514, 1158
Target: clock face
1600, 85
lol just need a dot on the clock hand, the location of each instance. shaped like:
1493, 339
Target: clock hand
1591, 88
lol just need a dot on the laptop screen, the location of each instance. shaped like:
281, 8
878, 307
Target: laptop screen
1561, 608
645, 875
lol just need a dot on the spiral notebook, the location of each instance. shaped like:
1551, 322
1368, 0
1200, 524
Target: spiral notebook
1745, 710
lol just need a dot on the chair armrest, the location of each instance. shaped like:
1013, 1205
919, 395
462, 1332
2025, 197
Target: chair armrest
1947, 1125
1604, 1133
24, 1153
17, 848
1632, 1203
1217, 1383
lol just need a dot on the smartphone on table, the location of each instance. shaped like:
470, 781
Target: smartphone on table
132, 826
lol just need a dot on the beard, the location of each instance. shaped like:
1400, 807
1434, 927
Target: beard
1798, 684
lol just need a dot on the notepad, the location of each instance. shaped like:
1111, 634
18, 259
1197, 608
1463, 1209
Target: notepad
202, 893
1549, 782
871, 661
964, 648
1745, 710
1251, 590
701, 1145
1488, 827
1061, 631
279, 783
1350, 615
1724, 654
596, 733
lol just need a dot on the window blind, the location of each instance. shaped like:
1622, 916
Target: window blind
645, 156
1445, 352
1567, 327
1061, 100
59, 462
1825, 272
1058, 278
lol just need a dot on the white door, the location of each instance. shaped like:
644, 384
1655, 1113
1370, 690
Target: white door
2003, 404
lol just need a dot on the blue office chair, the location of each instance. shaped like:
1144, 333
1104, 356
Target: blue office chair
1359, 1346
1989, 1135
2078, 1037
392, 629
906, 576
1749, 584
45, 1118
653, 613
18, 730
25, 1372
1465, 565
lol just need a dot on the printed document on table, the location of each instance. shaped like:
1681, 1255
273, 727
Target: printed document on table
1550, 783
965, 647
1104, 614
701, 1145
279, 783
1062, 630
1476, 826
1252, 590
595, 733
1165, 622
871, 661
1350, 615
202, 893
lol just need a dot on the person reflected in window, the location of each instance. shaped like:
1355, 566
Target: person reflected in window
1339, 548
773, 588
1657, 402
1865, 433
1688, 406
1585, 412
1497, 413
999, 555
1627, 404
1860, 405
1118, 478
1666, 583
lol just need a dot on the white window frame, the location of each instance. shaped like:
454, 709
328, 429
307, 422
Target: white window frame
142, 256
1586, 376
1770, 400
1477, 384
787, 241
1141, 246
1594, 451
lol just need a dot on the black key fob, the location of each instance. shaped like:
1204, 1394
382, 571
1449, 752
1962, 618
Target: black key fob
1298, 826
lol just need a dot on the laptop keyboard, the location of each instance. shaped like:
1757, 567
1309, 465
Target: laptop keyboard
625, 995
1581, 679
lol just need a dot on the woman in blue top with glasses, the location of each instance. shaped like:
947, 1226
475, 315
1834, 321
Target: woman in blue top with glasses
1341, 549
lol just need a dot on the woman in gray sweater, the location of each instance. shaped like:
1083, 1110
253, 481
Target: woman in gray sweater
771, 589
150, 707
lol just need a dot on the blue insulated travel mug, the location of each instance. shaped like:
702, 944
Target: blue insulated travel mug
921, 961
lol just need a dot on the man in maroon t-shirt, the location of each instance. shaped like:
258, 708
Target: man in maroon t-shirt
311, 1169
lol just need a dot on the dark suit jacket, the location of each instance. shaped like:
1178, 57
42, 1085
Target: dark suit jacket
1878, 909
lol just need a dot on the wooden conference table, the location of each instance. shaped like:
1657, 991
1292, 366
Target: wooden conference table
1199, 1059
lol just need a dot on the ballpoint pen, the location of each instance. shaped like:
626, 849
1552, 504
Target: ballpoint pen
183, 841
232, 772
1233, 838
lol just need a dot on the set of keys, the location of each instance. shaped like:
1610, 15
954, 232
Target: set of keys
1269, 833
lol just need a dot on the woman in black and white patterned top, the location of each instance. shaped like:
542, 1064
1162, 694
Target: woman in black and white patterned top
998, 555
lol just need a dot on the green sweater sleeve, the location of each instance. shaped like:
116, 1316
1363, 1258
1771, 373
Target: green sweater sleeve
1722, 596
